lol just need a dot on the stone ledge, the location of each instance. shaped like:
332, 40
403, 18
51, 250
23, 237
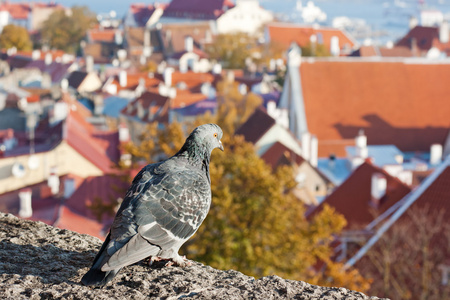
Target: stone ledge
38, 261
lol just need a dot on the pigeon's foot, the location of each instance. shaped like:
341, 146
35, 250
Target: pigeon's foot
180, 261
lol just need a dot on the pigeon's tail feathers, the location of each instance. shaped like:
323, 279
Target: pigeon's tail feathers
136, 249
97, 277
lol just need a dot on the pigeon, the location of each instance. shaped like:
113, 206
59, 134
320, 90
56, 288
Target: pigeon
164, 206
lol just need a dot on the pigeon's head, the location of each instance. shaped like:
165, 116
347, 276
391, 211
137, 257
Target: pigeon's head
202, 141
208, 136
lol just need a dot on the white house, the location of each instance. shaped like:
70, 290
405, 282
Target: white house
247, 16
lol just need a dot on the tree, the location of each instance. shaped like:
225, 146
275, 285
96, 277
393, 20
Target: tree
65, 30
405, 262
314, 49
232, 49
15, 36
233, 107
157, 143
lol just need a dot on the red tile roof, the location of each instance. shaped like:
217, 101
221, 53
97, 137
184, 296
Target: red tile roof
18, 11
256, 126
368, 51
353, 197
143, 12
400, 103
437, 196
190, 78
156, 107
185, 98
133, 80
278, 155
108, 188
69, 219
54, 52
286, 33
174, 34
102, 35
100, 148
423, 38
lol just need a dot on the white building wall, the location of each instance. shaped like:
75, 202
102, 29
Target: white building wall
63, 156
5, 19
90, 83
247, 16
277, 134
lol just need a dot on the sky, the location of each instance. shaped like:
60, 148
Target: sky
121, 6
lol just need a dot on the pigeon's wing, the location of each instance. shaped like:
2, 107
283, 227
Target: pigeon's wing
167, 208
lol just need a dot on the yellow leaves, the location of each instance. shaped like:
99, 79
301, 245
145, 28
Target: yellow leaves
65, 31
15, 36
327, 223
335, 275
157, 143
232, 49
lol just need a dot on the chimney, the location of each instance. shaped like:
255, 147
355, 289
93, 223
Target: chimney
436, 154
361, 145
414, 48
48, 58
444, 32
118, 38
217, 69
230, 76
147, 43
64, 85
314, 151
69, 187
124, 133
59, 113
188, 43
334, 47
377, 188
313, 41
284, 118
89, 64
272, 109
168, 76
123, 78
183, 66
36, 54
121, 54
413, 22
306, 145
53, 181
25, 210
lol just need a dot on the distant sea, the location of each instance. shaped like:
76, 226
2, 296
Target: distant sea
391, 16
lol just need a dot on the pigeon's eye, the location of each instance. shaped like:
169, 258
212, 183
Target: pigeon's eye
215, 135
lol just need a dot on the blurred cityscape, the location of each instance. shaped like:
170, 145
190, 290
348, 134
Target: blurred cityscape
360, 110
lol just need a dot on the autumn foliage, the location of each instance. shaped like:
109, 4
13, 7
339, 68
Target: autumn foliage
15, 36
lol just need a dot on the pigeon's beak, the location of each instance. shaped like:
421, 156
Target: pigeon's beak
220, 145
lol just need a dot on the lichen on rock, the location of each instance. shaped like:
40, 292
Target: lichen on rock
38, 261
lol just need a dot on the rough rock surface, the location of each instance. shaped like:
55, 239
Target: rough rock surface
38, 261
